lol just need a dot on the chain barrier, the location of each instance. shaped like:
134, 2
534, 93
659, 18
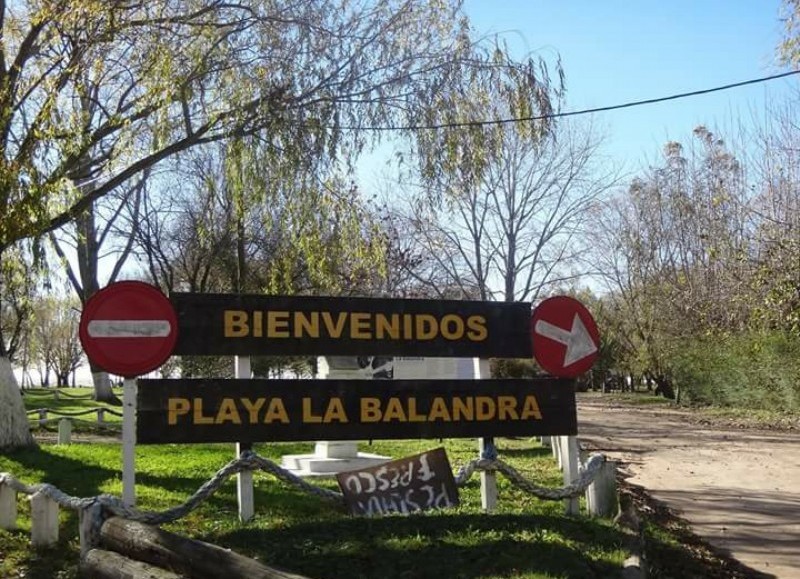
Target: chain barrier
588, 472
73, 413
110, 427
103, 506
74, 396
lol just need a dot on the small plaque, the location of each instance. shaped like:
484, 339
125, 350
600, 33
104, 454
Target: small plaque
420, 482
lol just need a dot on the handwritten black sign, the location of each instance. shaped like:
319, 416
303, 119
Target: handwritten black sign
420, 482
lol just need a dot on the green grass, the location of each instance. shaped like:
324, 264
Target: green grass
638, 398
724, 415
37, 398
754, 417
525, 537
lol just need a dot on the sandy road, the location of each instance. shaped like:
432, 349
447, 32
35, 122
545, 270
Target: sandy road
738, 488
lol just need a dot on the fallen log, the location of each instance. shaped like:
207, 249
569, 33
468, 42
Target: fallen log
185, 556
100, 564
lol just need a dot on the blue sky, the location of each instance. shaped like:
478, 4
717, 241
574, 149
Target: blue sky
614, 51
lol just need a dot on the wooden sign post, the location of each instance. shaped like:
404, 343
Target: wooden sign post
244, 480
128, 328
486, 449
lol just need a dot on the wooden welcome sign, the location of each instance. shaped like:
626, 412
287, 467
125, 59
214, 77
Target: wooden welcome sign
218, 410
260, 410
251, 325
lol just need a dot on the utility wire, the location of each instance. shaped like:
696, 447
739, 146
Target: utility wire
581, 111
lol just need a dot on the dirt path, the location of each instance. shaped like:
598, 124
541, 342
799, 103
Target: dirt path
738, 488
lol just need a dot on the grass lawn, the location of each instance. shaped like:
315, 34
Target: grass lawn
70, 401
525, 537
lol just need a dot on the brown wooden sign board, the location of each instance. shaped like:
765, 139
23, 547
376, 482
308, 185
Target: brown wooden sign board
250, 325
260, 410
415, 483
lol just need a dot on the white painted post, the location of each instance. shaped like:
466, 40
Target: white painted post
42, 416
8, 507
44, 520
601, 496
555, 443
86, 519
486, 448
244, 480
129, 441
64, 431
570, 464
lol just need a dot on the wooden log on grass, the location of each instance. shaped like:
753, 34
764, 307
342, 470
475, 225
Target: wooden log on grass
195, 559
100, 564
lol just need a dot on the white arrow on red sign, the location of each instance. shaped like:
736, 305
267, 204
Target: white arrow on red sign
577, 340
565, 337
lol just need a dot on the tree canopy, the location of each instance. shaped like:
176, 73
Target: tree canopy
95, 92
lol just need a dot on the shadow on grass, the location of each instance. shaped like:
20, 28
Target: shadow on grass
436, 546
74, 476
533, 452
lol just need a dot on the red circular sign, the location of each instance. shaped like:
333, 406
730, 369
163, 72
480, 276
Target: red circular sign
565, 337
128, 328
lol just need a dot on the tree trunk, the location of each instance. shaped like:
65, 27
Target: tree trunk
14, 427
102, 387
186, 556
664, 387
101, 564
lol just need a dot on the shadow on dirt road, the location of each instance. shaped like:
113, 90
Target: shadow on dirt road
738, 488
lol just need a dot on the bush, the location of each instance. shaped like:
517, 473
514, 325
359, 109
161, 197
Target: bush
752, 369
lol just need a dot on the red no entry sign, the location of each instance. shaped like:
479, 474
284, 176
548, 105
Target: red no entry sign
565, 337
128, 328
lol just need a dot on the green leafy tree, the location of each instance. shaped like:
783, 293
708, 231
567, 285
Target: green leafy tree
674, 251
168, 75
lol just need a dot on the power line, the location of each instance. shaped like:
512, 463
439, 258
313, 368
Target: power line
581, 111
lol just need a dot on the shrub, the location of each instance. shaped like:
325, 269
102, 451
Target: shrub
751, 369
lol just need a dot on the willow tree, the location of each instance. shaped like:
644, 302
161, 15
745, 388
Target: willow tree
234, 220
307, 77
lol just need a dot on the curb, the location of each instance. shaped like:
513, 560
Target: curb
634, 566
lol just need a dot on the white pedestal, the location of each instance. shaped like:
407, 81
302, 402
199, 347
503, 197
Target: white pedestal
331, 457
334, 456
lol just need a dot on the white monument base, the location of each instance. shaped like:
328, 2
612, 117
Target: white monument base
330, 458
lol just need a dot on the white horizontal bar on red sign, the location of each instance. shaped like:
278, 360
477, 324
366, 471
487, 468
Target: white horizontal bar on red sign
128, 328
